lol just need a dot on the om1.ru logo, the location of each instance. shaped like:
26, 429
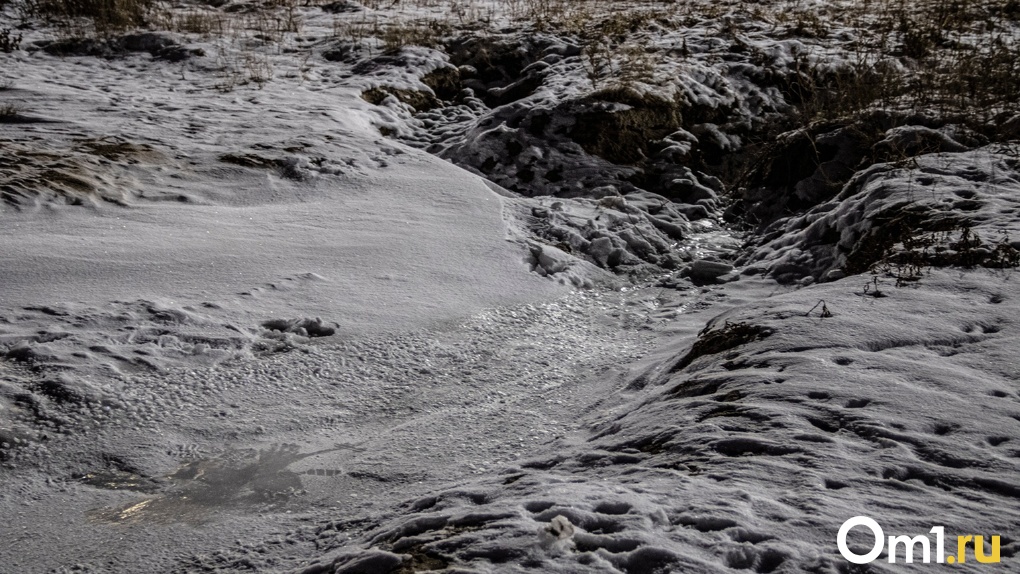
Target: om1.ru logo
909, 544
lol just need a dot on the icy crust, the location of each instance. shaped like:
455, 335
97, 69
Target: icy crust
903, 218
749, 446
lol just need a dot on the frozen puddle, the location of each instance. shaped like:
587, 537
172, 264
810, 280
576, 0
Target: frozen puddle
253, 479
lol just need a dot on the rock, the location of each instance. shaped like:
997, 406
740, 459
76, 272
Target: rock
600, 250
369, 562
835, 275
703, 271
689, 190
910, 141
604, 191
694, 212
560, 528
146, 42
341, 7
303, 327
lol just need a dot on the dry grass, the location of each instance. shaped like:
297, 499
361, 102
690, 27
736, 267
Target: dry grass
9, 41
206, 23
947, 57
355, 31
613, 54
428, 33
29, 172
952, 57
242, 68
90, 18
907, 250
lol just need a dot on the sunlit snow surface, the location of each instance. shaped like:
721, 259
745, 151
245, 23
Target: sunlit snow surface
472, 382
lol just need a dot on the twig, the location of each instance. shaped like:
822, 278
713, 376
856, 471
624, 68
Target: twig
825, 310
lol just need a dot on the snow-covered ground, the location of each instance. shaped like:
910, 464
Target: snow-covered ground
309, 301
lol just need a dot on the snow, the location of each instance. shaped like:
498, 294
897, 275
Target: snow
943, 192
365, 239
273, 326
893, 406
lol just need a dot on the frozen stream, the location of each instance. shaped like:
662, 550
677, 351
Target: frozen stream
209, 456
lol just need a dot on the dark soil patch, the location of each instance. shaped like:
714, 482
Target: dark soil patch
304, 327
621, 124
802, 169
420, 559
248, 160
499, 70
421, 101
445, 82
730, 336
159, 46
